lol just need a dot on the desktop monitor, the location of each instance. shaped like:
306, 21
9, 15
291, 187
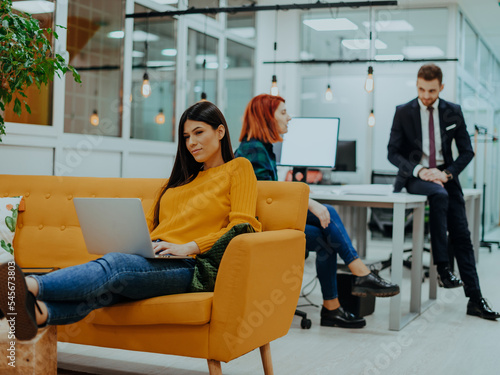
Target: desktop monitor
310, 142
346, 156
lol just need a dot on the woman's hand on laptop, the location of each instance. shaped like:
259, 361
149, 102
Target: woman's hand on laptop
162, 248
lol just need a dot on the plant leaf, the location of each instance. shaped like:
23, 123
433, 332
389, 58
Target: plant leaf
17, 107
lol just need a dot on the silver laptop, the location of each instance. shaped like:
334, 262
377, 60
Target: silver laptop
116, 225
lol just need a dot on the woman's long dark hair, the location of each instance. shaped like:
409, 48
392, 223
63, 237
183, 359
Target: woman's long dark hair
186, 168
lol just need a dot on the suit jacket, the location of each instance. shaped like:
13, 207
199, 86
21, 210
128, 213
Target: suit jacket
405, 143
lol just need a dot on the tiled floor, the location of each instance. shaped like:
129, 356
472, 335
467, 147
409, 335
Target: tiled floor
443, 340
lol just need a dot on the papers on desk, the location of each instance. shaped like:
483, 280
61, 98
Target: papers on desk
372, 189
367, 189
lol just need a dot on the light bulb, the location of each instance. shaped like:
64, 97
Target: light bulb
203, 97
94, 118
329, 93
146, 87
274, 86
160, 117
369, 84
371, 119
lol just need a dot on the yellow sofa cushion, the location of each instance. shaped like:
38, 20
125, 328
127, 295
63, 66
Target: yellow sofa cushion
187, 309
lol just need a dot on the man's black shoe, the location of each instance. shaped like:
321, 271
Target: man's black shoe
340, 318
448, 280
373, 285
480, 308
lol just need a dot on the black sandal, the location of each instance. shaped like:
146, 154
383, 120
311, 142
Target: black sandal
17, 303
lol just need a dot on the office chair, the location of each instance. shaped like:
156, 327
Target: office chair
381, 222
305, 322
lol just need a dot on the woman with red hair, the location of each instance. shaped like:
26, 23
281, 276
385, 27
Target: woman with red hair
264, 121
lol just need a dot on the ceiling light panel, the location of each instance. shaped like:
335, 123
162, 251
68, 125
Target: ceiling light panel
138, 36
389, 57
421, 52
331, 24
390, 26
169, 52
362, 44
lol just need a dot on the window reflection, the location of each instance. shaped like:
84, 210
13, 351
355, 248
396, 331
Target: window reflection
413, 34
202, 62
470, 55
95, 46
154, 53
485, 66
241, 24
339, 36
204, 4
39, 100
238, 85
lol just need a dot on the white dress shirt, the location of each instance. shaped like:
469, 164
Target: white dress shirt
424, 118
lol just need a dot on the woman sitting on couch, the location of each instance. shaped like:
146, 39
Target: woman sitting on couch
207, 194
264, 121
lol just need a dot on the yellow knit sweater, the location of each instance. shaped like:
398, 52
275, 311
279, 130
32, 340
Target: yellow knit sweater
207, 207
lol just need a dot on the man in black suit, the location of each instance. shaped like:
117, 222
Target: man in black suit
420, 146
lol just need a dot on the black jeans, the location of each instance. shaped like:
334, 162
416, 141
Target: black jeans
448, 222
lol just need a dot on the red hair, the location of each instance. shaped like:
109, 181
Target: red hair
259, 121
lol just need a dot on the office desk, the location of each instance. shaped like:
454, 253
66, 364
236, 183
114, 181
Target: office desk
399, 202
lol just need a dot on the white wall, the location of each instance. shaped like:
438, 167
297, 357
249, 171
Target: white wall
19, 160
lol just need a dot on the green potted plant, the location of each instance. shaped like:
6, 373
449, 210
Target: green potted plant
26, 58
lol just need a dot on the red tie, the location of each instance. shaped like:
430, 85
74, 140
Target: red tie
432, 142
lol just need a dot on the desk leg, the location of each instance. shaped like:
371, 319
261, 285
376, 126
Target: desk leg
470, 212
397, 264
476, 226
416, 260
432, 279
361, 231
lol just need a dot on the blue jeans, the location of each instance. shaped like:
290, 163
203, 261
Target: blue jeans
72, 293
327, 243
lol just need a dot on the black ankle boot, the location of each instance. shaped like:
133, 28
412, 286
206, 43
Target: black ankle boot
340, 318
373, 285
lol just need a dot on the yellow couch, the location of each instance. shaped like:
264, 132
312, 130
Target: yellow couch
255, 294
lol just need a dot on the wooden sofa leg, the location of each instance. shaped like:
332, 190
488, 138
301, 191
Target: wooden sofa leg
214, 367
267, 362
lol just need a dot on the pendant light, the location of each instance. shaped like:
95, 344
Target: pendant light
369, 84
328, 92
160, 117
274, 80
94, 117
146, 86
371, 119
274, 86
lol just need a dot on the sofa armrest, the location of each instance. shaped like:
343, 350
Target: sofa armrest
256, 292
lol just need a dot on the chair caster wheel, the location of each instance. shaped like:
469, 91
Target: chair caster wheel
305, 323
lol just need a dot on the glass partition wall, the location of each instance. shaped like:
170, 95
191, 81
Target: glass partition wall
153, 57
423, 34
95, 46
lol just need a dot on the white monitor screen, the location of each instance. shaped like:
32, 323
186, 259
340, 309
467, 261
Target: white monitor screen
310, 142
